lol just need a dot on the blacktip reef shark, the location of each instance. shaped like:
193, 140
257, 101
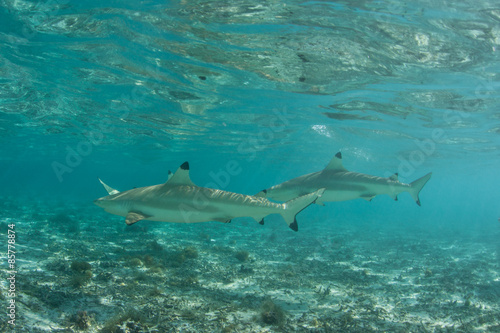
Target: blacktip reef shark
341, 184
180, 200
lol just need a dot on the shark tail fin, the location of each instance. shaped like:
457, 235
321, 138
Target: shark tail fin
295, 206
416, 187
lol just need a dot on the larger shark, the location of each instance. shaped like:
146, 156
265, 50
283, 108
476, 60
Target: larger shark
180, 200
341, 184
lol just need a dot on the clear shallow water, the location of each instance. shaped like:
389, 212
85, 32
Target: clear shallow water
126, 91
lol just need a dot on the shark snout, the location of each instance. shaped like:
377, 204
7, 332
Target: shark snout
99, 202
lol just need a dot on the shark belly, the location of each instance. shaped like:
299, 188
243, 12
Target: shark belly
187, 213
368, 189
202, 204
336, 195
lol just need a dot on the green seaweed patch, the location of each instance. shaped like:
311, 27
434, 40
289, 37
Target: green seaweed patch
81, 320
148, 260
80, 266
190, 252
134, 262
179, 258
82, 273
272, 314
157, 269
134, 320
155, 292
81, 279
242, 255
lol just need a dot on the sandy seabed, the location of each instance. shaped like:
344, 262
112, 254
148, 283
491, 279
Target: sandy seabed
83, 270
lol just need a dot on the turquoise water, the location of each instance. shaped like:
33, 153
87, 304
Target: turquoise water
127, 90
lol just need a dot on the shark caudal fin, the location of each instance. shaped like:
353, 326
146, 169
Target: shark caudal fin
295, 206
416, 187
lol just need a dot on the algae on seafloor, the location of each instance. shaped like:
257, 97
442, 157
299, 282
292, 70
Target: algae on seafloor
242, 255
82, 273
133, 319
272, 314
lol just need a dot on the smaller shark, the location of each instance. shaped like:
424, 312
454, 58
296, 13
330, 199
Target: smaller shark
341, 184
180, 200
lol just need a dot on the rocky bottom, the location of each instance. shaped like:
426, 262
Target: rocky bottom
82, 272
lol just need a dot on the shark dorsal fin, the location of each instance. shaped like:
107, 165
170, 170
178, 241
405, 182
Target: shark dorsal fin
394, 177
109, 189
181, 176
336, 163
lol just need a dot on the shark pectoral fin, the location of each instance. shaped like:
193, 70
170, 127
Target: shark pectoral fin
133, 217
368, 197
319, 201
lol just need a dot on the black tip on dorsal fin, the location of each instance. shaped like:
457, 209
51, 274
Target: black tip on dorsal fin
261, 222
185, 166
335, 163
265, 191
394, 177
